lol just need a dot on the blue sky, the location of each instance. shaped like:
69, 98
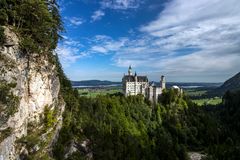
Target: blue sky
185, 40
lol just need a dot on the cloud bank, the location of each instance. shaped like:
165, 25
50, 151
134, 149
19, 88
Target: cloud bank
120, 4
189, 38
69, 51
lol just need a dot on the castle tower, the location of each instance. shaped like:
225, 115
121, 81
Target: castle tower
130, 70
135, 84
163, 82
135, 76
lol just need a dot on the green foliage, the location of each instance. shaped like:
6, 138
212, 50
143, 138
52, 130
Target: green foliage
49, 117
100, 91
2, 36
229, 142
38, 23
119, 127
30, 141
8, 102
39, 136
208, 101
5, 133
3, 17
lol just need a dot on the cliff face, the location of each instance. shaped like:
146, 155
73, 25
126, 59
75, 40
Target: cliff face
30, 105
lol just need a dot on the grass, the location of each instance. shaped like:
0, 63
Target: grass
195, 92
200, 96
211, 101
95, 92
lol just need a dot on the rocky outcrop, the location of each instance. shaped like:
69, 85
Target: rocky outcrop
81, 147
31, 86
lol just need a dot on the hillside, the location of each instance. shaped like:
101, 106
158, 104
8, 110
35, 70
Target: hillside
93, 83
231, 84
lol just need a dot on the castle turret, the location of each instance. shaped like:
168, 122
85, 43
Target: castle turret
130, 70
135, 76
163, 82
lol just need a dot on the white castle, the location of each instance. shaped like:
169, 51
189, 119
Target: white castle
134, 85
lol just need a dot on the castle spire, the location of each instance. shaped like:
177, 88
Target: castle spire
130, 70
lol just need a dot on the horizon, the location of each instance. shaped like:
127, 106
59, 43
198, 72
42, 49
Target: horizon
149, 81
187, 41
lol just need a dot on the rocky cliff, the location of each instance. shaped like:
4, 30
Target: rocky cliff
30, 105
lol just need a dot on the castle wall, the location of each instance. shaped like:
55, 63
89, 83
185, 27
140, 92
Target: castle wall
134, 88
134, 85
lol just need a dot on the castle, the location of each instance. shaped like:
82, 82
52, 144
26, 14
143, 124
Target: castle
134, 85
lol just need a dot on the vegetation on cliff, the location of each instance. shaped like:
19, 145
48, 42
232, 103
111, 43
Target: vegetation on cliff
38, 23
8, 101
2, 36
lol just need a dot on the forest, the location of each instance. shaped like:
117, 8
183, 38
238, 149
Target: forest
117, 127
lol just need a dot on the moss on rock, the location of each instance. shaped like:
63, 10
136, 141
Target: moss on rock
8, 101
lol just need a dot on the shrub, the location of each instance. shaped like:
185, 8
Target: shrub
49, 117
3, 17
8, 102
5, 133
2, 36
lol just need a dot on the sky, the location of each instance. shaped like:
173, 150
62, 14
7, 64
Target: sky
185, 40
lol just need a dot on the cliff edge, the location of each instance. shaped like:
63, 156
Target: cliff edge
30, 105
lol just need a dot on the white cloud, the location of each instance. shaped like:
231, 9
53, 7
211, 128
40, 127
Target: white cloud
121, 4
69, 51
106, 45
69, 55
99, 49
190, 37
97, 15
116, 5
75, 21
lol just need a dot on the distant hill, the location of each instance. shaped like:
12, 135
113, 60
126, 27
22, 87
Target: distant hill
94, 83
186, 85
99, 83
231, 84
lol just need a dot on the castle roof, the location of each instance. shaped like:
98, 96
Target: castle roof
131, 78
175, 87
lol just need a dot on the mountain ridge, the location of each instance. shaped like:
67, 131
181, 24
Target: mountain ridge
232, 84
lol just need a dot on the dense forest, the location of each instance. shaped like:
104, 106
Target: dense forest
118, 127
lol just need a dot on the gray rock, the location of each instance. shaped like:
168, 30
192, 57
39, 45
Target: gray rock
37, 86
